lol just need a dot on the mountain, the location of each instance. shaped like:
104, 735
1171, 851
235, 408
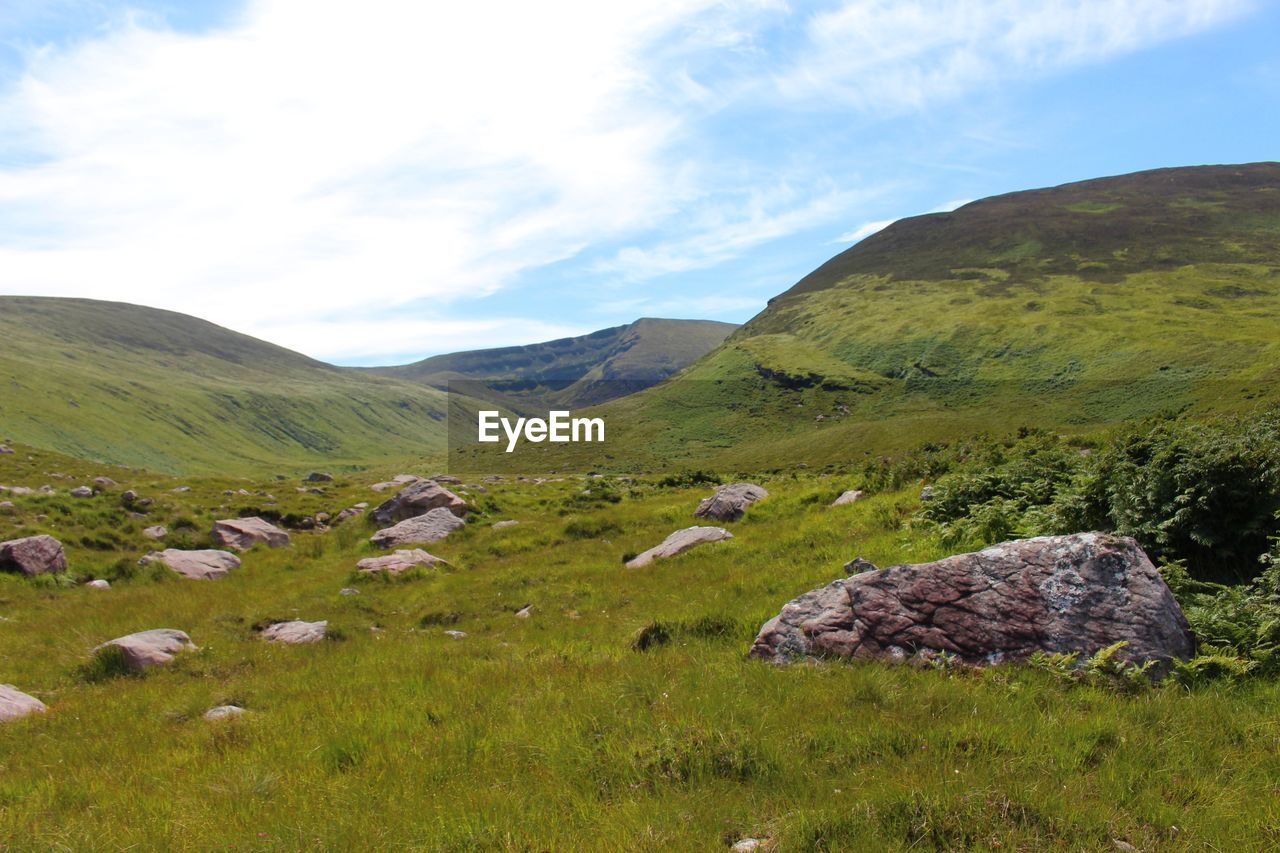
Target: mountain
1072, 308
139, 386
577, 371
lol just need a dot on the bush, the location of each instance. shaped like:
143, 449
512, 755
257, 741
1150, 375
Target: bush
688, 478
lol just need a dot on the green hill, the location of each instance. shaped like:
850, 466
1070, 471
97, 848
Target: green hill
1073, 307
575, 371
138, 386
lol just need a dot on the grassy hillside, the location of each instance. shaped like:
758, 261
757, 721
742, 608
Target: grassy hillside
555, 732
578, 371
138, 386
1073, 308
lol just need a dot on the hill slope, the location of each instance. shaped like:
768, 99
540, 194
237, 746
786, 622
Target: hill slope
1072, 308
575, 371
139, 386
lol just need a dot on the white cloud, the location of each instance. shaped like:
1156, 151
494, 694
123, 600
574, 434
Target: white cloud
900, 55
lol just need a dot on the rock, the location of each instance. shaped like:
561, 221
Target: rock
101, 484
99, 584
502, 525
197, 565
4, 448
492, 478
243, 533
849, 497
926, 493
397, 482
350, 512
20, 490
346, 590
322, 518
678, 543
144, 503
730, 502
446, 479
432, 527
747, 845
33, 555
525, 612
457, 635
82, 492
223, 712
128, 496
417, 499
6, 505
318, 477
47, 490
150, 648
400, 561
181, 490
296, 632
14, 703
1063, 594
157, 532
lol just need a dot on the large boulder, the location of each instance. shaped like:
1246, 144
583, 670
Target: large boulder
14, 703
678, 543
243, 533
1063, 594
150, 648
432, 527
400, 561
730, 502
418, 499
197, 565
33, 555
295, 633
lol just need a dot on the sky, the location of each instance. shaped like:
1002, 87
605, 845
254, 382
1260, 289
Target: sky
375, 182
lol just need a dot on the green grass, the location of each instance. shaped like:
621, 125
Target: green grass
561, 731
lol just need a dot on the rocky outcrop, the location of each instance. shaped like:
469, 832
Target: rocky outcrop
14, 703
729, 503
1064, 594
432, 527
849, 497
197, 565
678, 543
33, 555
243, 533
159, 531
146, 649
295, 633
399, 562
418, 499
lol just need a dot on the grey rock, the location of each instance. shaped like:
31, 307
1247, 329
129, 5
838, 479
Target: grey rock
319, 477
457, 635
159, 531
926, 493
678, 543
128, 496
502, 525
146, 649
4, 448
243, 533
296, 632
1057, 594
101, 484
99, 584
432, 527
15, 704
197, 565
849, 497
729, 503
400, 561
82, 492
347, 590
33, 555
223, 712
417, 499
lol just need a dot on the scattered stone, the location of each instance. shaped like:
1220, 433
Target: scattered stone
493, 478
33, 555
47, 489
243, 533
82, 492
318, 477
14, 703
322, 518
425, 529
347, 590
128, 496
101, 484
446, 479
417, 499
397, 482
99, 583
20, 490
525, 612
1058, 594
4, 448
6, 506
678, 543
181, 489
849, 497
159, 531
150, 648
350, 512
747, 845
223, 712
400, 561
730, 502
457, 635
502, 525
144, 503
197, 565
926, 493
296, 632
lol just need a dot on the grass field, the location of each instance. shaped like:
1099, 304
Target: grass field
552, 732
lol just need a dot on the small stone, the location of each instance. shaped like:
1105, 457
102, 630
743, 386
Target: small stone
181, 490
318, 477
347, 590
746, 845
82, 492
457, 635
502, 525
159, 531
99, 584
223, 712
851, 496
101, 484
296, 632
525, 612
128, 496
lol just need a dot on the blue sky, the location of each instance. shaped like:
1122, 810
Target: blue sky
378, 181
